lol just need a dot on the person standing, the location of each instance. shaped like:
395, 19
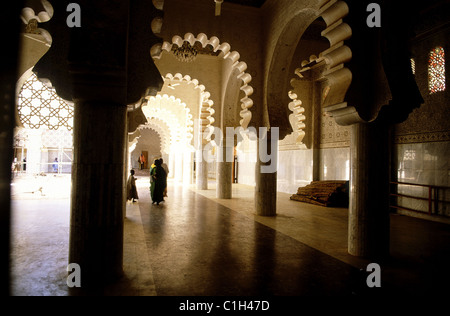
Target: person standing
152, 180
131, 188
55, 165
166, 169
142, 161
16, 167
159, 176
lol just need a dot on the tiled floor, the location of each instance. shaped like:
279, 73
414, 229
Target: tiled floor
195, 244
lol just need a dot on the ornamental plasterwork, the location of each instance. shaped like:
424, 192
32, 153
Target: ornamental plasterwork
328, 66
222, 50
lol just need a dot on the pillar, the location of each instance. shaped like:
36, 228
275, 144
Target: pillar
171, 164
187, 167
8, 79
224, 173
266, 178
96, 226
178, 166
368, 229
202, 170
102, 66
201, 153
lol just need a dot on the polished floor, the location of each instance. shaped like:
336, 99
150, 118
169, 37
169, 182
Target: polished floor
196, 245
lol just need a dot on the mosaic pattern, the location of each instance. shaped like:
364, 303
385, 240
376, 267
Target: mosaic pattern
436, 70
40, 107
334, 135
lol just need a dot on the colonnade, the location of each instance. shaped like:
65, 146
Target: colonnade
99, 85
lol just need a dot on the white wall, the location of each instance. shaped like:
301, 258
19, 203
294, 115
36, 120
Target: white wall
423, 163
295, 167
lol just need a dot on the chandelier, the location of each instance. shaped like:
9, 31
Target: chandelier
186, 53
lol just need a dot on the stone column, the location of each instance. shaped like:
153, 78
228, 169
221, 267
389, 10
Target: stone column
266, 178
8, 79
202, 171
126, 169
368, 229
102, 66
187, 167
178, 166
171, 164
201, 147
224, 177
96, 234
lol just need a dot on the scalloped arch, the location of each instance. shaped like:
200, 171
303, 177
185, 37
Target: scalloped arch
174, 112
337, 76
176, 130
45, 15
206, 109
225, 52
162, 129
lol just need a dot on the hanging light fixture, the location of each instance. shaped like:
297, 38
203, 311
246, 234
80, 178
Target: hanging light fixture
185, 53
218, 6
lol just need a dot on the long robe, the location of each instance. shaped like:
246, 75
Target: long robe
152, 181
131, 189
159, 184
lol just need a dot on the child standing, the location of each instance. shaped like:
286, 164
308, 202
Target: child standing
131, 188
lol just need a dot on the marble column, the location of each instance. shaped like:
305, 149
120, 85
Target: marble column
96, 234
224, 177
8, 79
171, 164
201, 154
102, 66
368, 229
201, 171
178, 166
266, 181
187, 167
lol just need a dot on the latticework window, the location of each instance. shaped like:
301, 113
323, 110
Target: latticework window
413, 66
436, 70
40, 107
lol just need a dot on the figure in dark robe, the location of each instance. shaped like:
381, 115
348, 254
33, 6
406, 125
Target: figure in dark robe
159, 178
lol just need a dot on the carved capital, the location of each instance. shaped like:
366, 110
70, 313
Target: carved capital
108, 57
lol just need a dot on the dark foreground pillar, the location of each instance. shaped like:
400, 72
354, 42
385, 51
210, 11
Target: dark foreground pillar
96, 234
266, 175
10, 22
368, 231
224, 188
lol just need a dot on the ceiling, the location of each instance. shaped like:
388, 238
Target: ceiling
251, 3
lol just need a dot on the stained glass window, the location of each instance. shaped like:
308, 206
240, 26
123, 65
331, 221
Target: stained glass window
436, 70
39, 106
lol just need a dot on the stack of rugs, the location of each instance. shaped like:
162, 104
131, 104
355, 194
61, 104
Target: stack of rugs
324, 193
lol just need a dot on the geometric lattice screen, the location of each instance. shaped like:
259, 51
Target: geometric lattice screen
40, 107
436, 70
57, 139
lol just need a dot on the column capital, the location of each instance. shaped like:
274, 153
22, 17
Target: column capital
107, 57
